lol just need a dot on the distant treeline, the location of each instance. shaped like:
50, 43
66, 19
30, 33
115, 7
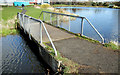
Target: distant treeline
86, 3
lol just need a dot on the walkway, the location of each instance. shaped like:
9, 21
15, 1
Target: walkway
98, 58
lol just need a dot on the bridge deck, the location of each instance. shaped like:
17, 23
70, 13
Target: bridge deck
55, 34
83, 52
96, 58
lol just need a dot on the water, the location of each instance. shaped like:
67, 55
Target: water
17, 56
105, 20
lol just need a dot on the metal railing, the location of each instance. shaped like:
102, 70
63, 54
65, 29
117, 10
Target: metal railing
26, 23
74, 16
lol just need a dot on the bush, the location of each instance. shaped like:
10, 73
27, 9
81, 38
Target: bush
45, 6
117, 3
94, 4
99, 4
106, 4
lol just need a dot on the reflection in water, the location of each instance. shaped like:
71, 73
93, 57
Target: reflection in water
17, 56
105, 21
74, 10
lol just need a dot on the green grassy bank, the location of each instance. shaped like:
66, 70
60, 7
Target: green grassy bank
9, 18
63, 5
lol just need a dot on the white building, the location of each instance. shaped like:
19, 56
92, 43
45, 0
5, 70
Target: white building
10, 2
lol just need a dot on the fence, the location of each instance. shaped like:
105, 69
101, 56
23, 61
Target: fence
57, 18
34, 28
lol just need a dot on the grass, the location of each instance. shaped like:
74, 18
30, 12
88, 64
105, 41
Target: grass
9, 14
6, 32
34, 12
112, 45
63, 5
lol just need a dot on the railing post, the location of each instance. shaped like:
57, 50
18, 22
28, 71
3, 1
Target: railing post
23, 23
20, 19
58, 20
82, 21
50, 18
69, 23
43, 16
29, 27
40, 33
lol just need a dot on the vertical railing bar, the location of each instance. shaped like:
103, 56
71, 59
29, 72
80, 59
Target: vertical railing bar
29, 27
43, 16
69, 23
40, 33
20, 19
82, 21
58, 20
23, 23
50, 18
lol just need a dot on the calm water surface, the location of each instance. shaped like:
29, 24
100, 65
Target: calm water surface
105, 21
17, 56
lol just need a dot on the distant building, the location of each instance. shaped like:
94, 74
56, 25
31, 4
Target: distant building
10, 2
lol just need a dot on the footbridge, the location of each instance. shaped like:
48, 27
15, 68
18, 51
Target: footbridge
98, 58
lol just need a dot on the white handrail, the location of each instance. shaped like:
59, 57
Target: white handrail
41, 24
81, 23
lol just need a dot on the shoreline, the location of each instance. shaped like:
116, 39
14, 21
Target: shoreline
83, 6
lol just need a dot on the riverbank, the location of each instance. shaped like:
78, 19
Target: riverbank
83, 6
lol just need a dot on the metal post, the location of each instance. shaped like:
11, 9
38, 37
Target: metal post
43, 16
82, 21
23, 24
40, 33
29, 27
69, 23
20, 20
58, 20
51, 18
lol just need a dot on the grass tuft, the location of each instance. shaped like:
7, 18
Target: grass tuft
111, 45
